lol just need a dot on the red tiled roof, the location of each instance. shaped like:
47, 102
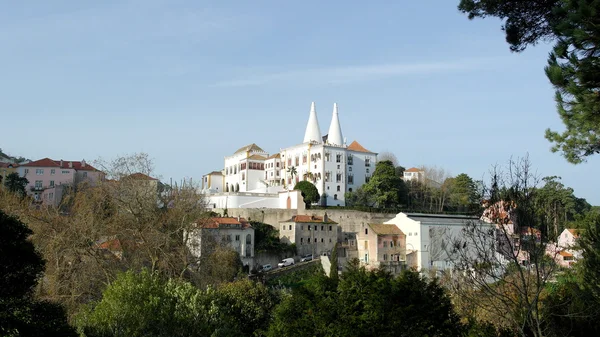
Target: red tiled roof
256, 157
355, 146
276, 155
565, 253
112, 245
140, 176
413, 169
218, 221
574, 231
252, 148
310, 219
384, 229
8, 165
47, 162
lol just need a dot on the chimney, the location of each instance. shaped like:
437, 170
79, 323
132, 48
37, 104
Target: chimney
61, 163
238, 218
70, 164
325, 219
82, 162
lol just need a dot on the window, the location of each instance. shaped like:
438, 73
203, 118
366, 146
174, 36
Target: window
301, 240
367, 162
302, 227
330, 228
297, 160
367, 178
338, 188
338, 158
322, 240
384, 244
52, 171
350, 169
51, 196
308, 240
366, 231
350, 159
26, 171
85, 174
322, 228
39, 172
243, 175
237, 238
65, 172
316, 227
384, 257
329, 240
409, 233
367, 170
290, 227
335, 197
38, 184
338, 178
350, 179
303, 159
51, 183
327, 156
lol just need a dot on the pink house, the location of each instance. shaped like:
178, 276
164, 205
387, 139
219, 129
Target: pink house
48, 178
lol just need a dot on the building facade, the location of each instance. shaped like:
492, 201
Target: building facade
333, 166
382, 246
48, 178
235, 233
312, 234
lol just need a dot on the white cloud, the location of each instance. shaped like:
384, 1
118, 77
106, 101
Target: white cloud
340, 75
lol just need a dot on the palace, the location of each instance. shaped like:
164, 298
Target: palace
253, 178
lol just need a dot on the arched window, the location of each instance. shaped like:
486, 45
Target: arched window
335, 197
249, 239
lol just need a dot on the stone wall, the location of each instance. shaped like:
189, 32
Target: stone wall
349, 221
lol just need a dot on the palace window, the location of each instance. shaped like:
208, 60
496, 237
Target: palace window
350, 159
303, 159
367, 162
350, 179
338, 178
338, 158
297, 160
327, 156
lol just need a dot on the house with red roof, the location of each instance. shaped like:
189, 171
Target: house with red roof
312, 234
233, 232
414, 174
48, 178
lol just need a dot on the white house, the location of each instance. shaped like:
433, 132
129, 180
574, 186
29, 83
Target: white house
430, 236
327, 161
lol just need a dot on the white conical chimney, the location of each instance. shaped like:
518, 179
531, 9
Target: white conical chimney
335, 130
313, 132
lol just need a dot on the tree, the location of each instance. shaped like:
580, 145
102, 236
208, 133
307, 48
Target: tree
386, 155
309, 192
386, 188
292, 171
146, 304
463, 192
21, 266
501, 267
333, 270
16, 184
266, 239
572, 66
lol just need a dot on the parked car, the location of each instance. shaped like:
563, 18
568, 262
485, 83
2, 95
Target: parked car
266, 268
286, 262
305, 258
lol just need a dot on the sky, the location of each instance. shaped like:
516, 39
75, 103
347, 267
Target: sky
189, 82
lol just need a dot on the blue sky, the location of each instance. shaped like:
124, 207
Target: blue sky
189, 82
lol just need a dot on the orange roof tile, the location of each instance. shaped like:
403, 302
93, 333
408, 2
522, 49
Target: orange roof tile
257, 157
414, 169
565, 253
384, 229
276, 155
140, 176
310, 219
47, 162
355, 146
8, 165
218, 222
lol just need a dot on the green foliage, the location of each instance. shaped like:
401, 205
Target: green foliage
366, 304
463, 192
590, 244
385, 187
333, 270
145, 304
573, 67
20, 268
296, 278
309, 192
266, 239
16, 184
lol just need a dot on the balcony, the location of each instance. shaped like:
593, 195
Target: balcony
37, 188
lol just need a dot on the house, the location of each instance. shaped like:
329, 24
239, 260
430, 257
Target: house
414, 174
429, 236
332, 165
235, 233
5, 170
566, 246
568, 238
382, 246
312, 234
48, 178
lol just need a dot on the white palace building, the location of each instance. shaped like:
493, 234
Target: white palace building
252, 178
